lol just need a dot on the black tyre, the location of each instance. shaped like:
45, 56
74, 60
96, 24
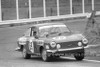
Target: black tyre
79, 56
25, 54
56, 56
44, 55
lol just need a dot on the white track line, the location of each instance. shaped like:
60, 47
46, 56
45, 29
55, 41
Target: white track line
83, 59
91, 46
92, 60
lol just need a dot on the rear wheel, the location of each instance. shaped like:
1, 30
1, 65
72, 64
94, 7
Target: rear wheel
25, 54
79, 56
44, 55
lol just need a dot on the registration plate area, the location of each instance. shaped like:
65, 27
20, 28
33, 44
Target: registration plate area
63, 53
58, 54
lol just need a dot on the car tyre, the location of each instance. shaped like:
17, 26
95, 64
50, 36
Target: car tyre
25, 54
57, 56
79, 56
44, 55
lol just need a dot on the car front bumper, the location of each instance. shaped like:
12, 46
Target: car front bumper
65, 51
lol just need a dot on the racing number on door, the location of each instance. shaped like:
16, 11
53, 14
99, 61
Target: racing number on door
31, 47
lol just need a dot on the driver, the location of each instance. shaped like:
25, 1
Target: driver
35, 34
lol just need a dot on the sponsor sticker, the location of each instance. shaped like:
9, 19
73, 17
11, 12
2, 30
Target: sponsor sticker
59, 38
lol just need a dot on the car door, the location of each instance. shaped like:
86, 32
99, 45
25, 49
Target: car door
30, 40
34, 34
38, 42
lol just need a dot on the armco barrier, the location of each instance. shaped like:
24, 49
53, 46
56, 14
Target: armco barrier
43, 19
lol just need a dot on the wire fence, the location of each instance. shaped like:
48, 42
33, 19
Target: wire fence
9, 11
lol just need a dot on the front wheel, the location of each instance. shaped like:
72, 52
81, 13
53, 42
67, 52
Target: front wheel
79, 56
44, 55
25, 54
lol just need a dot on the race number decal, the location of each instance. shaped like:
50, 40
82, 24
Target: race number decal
31, 47
40, 42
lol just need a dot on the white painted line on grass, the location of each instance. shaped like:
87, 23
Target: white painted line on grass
69, 58
91, 46
83, 59
92, 60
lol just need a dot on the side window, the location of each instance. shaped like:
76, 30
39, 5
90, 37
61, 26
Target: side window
34, 32
27, 33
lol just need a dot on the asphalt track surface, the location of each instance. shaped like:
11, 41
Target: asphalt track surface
10, 58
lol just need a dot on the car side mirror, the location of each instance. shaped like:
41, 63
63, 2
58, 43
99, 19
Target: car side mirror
47, 35
35, 34
36, 37
23, 35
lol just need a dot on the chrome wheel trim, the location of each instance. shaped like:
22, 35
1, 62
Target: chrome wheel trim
24, 53
44, 55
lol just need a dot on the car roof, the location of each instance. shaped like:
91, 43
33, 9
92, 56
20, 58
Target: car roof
46, 24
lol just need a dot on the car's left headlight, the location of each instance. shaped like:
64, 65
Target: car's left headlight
79, 43
53, 44
85, 41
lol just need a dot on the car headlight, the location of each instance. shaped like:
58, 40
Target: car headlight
47, 46
85, 41
53, 44
58, 46
79, 43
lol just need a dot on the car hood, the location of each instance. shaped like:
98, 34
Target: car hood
67, 38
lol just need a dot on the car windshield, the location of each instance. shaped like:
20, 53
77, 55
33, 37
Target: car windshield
54, 30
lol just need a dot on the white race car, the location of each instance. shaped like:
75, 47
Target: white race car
51, 40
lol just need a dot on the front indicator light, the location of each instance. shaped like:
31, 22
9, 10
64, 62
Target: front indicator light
47, 47
79, 43
58, 46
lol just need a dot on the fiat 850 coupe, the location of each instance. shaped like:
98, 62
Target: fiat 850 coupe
51, 40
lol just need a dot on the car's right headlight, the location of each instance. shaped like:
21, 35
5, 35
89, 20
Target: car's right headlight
53, 44
85, 41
